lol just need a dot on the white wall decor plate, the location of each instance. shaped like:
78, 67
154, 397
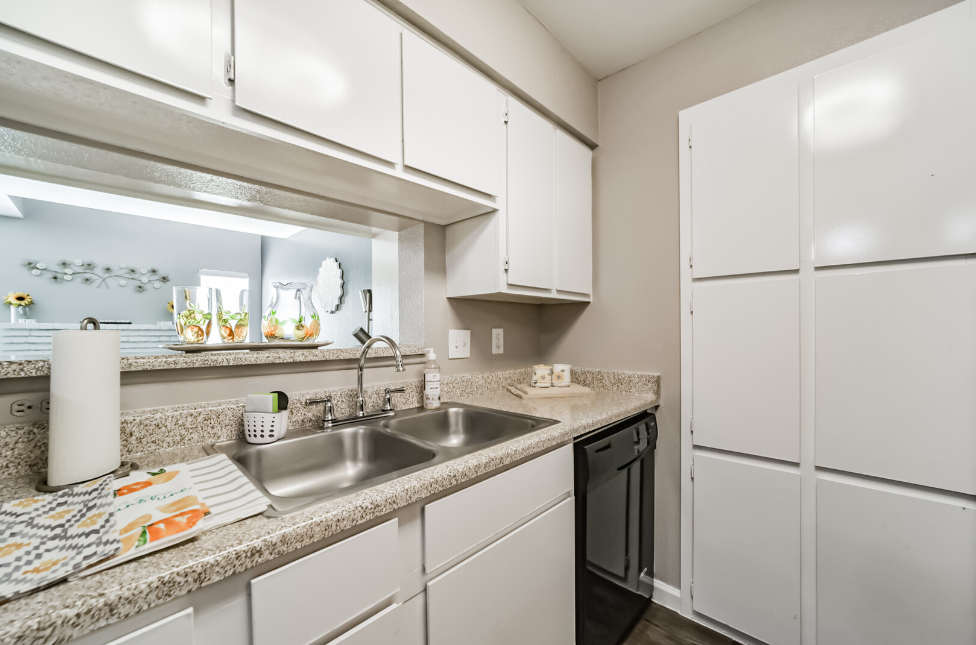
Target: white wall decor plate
328, 286
895, 153
896, 375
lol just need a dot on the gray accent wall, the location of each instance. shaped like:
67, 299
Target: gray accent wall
52, 232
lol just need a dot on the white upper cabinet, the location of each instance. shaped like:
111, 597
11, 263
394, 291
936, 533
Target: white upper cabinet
895, 158
745, 200
574, 215
896, 375
531, 198
746, 366
166, 40
329, 68
452, 119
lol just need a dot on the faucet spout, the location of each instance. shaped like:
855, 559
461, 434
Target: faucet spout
360, 401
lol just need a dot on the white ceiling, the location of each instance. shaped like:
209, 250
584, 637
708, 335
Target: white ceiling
608, 35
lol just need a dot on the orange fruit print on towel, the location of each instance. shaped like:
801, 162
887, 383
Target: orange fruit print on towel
158, 477
173, 525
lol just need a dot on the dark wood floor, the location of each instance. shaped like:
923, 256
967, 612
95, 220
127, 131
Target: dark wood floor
661, 626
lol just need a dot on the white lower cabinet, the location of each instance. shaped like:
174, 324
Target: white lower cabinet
401, 624
520, 590
177, 628
306, 600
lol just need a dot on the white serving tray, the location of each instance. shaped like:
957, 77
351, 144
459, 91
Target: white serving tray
254, 347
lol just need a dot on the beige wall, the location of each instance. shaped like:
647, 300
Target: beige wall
521, 322
633, 322
504, 41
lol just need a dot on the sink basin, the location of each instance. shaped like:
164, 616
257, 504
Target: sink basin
314, 465
310, 465
463, 427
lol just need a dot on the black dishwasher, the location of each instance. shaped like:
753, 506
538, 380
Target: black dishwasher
614, 528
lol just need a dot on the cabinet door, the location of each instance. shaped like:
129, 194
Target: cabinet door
518, 591
531, 198
574, 215
328, 68
452, 123
746, 366
893, 568
397, 625
745, 186
895, 160
303, 601
896, 373
747, 547
177, 628
166, 40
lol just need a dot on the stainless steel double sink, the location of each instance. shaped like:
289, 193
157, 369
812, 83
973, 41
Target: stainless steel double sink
311, 465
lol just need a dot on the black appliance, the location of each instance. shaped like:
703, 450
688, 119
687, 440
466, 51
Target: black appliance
614, 528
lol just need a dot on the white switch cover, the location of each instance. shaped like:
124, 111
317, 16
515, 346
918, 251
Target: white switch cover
459, 343
497, 341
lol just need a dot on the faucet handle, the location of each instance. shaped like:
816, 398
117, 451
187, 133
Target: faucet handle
329, 415
388, 400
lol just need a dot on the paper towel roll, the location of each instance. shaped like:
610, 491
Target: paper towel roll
85, 402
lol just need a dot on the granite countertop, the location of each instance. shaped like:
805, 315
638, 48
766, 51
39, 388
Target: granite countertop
180, 360
72, 609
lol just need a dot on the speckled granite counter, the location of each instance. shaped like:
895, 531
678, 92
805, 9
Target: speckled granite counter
69, 610
179, 360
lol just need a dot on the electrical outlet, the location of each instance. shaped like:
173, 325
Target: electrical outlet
46, 405
23, 407
497, 341
459, 343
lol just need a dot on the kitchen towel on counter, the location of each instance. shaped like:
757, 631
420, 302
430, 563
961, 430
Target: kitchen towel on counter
46, 538
228, 493
85, 402
153, 510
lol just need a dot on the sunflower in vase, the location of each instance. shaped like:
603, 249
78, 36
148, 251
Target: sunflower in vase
18, 301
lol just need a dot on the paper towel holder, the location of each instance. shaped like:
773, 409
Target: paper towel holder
90, 321
124, 469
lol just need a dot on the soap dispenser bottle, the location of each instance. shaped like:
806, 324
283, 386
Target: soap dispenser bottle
432, 381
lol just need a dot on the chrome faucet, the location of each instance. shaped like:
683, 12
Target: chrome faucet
360, 401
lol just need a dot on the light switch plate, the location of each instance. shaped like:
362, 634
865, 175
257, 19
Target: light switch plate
497, 341
459, 343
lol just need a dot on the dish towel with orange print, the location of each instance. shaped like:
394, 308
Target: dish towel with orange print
153, 510
46, 538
